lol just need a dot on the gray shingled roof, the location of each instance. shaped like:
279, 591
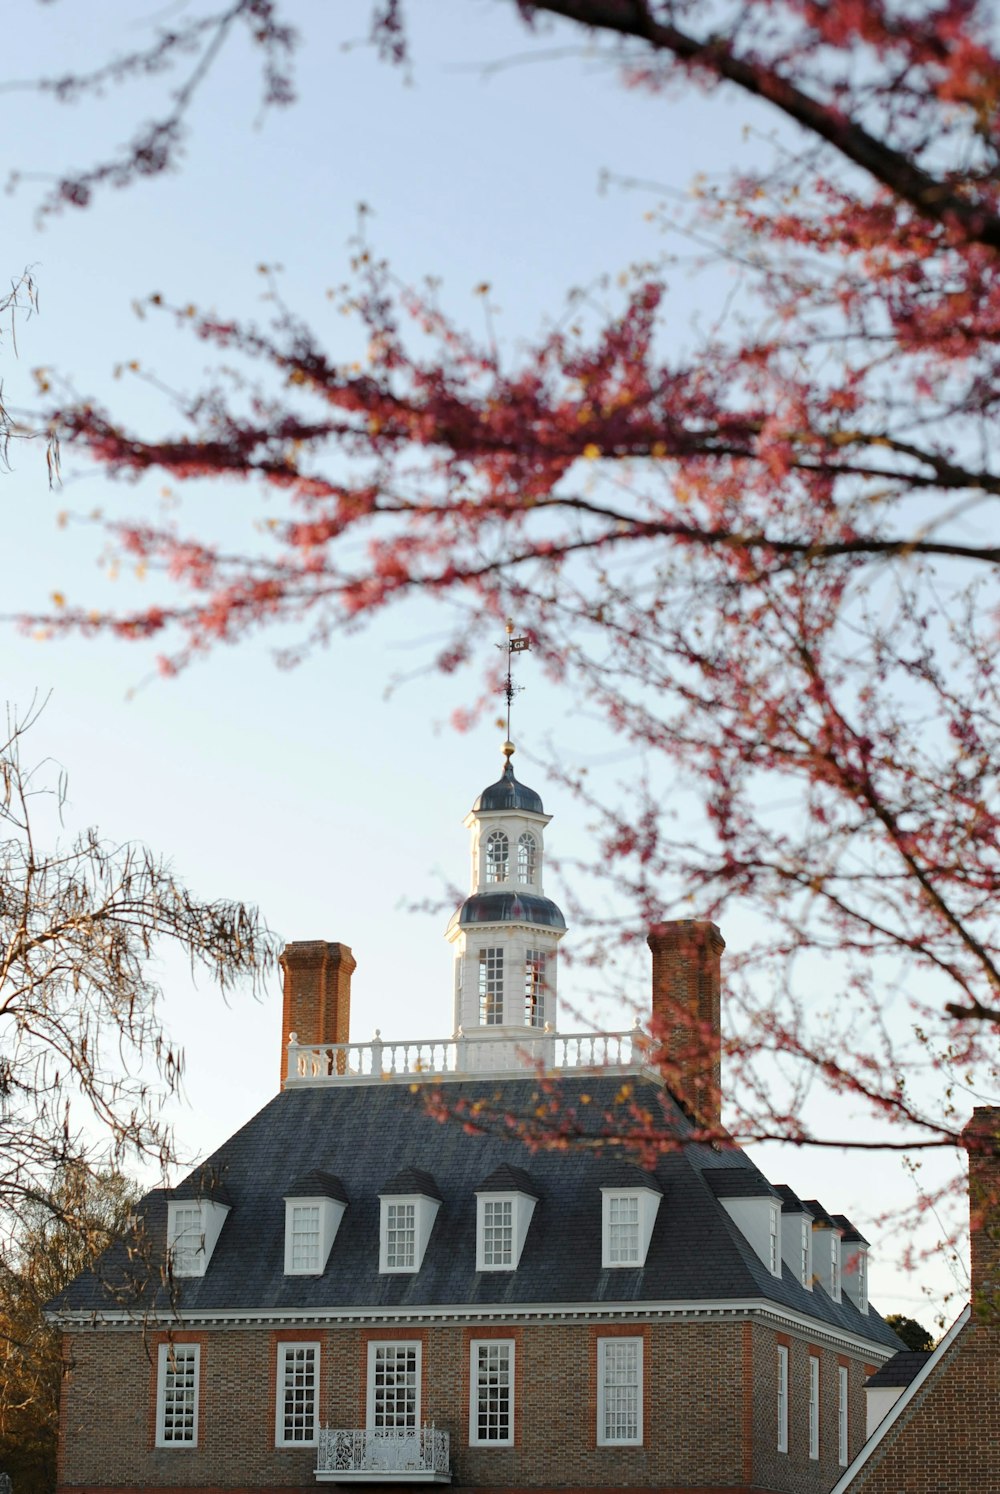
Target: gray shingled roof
315, 1184
696, 1251
791, 1202
411, 1180
901, 1369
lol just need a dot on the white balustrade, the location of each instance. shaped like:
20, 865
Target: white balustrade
505, 1051
386, 1454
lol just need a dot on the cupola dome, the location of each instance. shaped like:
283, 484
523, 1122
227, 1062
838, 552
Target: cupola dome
507, 793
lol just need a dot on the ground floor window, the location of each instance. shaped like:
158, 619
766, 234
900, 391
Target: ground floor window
394, 1385
298, 1395
177, 1395
619, 1391
491, 1379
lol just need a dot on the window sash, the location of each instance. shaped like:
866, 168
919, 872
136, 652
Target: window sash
526, 859
400, 1236
491, 1393
305, 1237
773, 1254
813, 1406
491, 986
782, 1398
188, 1241
177, 1395
534, 987
394, 1385
297, 1395
497, 856
842, 1425
623, 1229
619, 1399
498, 1232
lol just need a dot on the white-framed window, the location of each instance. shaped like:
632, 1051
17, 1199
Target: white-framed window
491, 986
842, 1437
619, 1392
305, 1237
782, 1398
502, 1221
491, 1392
774, 1248
177, 1395
193, 1229
526, 858
862, 1279
394, 1385
805, 1268
497, 856
297, 1399
834, 1265
623, 1229
400, 1236
534, 987
311, 1226
813, 1406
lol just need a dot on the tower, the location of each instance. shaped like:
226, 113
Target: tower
506, 932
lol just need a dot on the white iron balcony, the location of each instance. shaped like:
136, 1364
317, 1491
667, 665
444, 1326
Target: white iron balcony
383, 1455
508, 1051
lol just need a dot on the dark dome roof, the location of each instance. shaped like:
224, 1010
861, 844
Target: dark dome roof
510, 907
507, 793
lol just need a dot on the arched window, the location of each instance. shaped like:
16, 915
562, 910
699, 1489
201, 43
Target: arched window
497, 856
526, 859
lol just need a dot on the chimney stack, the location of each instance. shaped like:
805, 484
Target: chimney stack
981, 1138
687, 989
317, 1002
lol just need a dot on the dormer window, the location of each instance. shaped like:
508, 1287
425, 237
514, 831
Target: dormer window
772, 1250
504, 1205
853, 1263
408, 1208
314, 1206
805, 1253
796, 1235
491, 986
834, 1265
193, 1229
534, 988
628, 1215
754, 1207
497, 856
526, 858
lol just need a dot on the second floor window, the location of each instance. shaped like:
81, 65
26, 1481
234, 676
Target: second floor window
394, 1385
177, 1398
490, 987
497, 856
491, 1418
782, 1398
298, 1384
534, 988
619, 1391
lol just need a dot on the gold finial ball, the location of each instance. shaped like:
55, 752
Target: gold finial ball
510, 626
508, 751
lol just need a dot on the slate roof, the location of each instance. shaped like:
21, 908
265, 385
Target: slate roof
791, 1202
901, 1369
411, 1180
507, 793
508, 1179
820, 1216
696, 1251
314, 1184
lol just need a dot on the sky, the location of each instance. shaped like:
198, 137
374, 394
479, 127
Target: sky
332, 795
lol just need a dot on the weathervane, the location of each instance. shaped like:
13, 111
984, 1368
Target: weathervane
513, 646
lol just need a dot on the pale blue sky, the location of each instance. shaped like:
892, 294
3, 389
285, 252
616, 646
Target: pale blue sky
310, 792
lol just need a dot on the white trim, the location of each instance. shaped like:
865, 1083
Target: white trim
284, 1348
771, 1313
424, 1214
522, 1206
393, 1343
211, 1216
782, 1405
331, 1212
814, 1405
843, 1483
647, 1202
638, 1345
166, 1353
843, 1416
474, 1346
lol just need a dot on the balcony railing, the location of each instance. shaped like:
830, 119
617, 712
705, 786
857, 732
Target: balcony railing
384, 1455
505, 1051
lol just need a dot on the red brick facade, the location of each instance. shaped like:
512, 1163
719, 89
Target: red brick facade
317, 994
687, 994
709, 1409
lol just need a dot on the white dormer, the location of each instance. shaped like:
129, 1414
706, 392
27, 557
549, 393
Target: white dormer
505, 1202
627, 1218
826, 1249
754, 1207
853, 1263
796, 1236
314, 1207
193, 1229
408, 1206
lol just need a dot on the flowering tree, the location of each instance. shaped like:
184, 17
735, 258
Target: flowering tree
772, 562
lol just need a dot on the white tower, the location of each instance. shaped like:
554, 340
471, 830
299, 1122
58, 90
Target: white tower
506, 932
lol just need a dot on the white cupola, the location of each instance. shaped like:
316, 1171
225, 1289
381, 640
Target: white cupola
506, 932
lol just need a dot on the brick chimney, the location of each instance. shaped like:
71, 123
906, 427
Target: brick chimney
317, 1003
981, 1138
687, 988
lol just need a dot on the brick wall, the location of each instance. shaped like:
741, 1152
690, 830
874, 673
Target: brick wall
707, 1386
795, 1470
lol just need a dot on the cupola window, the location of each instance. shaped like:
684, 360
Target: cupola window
497, 856
526, 858
491, 987
534, 988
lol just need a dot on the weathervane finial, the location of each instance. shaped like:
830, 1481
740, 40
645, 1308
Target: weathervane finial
514, 645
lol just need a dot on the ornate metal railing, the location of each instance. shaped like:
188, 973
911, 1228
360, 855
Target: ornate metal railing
411, 1454
504, 1051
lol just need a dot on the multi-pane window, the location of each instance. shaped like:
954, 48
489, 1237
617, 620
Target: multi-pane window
497, 856
813, 1406
400, 1236
834, 1265
619, 1385
623, 1229
862, 1281
491, 1378
804, 1272
773, 1244
305, 1237
491, 987
782, 1398
394, 1385
526, 858
298, 1394
188, 1243
842, 1447
534, 988
498, 1232
177, 1400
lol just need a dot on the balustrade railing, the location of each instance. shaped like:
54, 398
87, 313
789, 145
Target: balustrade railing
505, 1051
386, 1454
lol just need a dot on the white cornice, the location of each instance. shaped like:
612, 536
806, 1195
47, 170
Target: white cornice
785, 1318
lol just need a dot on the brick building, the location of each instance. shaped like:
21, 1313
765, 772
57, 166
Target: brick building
351, 1291
942, 1434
